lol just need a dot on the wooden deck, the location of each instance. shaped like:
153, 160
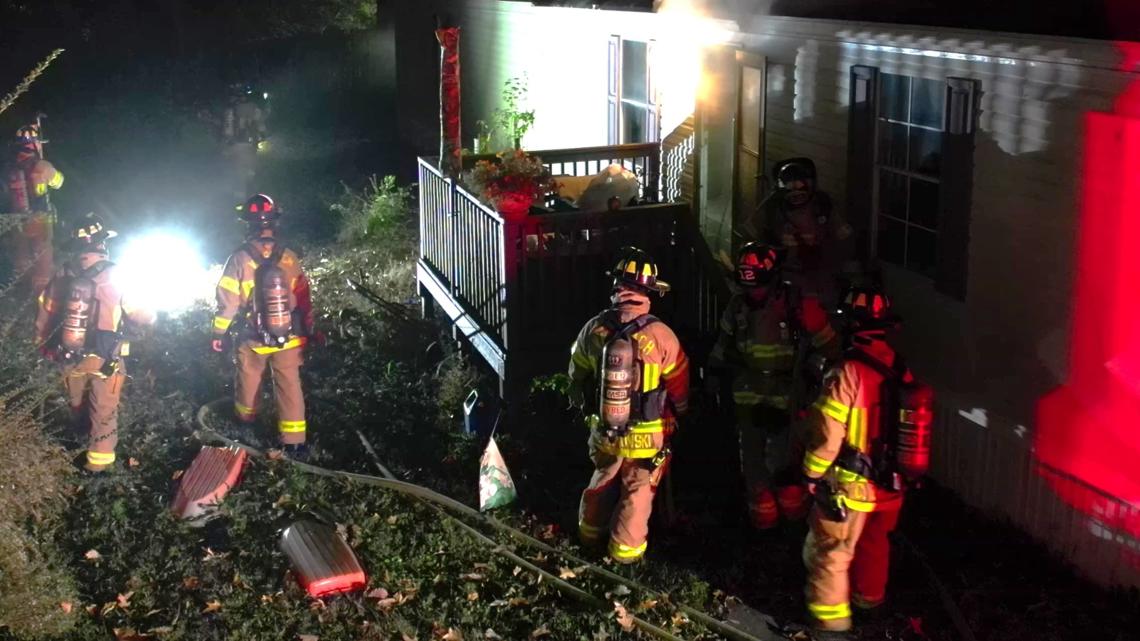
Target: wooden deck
518, 292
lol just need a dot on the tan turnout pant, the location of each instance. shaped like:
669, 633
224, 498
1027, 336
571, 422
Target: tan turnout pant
285, 368
94, 398
619, 501
843, 557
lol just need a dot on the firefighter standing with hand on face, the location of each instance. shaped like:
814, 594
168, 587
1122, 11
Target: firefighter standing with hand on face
80, 325
868, 435
765, 334
29, 177
263, 283
630, 375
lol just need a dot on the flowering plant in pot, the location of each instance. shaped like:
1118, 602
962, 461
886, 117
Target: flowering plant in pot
512, 183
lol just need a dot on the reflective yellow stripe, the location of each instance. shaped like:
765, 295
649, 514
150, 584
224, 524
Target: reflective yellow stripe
638, 443
832, 408
823, 336
41, 189
626, 553
246, 288
857, 429
847, 476
221, 323
580, 358
830, 612
230, 284
669, 368
56, 181
650, 377
743, 397
778, 349
265, 349
291, 427
857, 505
815, 464
587, 531
243, 410
100, 458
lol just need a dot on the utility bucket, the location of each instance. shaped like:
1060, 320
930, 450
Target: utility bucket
212, 474
323, 562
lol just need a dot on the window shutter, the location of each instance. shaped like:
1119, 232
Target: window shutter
956, 194
613, 95
863, 101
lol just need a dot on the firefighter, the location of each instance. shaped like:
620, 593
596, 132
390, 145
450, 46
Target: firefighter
867, 437
799, 218
263, 285
83, 315
630, 376
243, 129
766, 334
29, 177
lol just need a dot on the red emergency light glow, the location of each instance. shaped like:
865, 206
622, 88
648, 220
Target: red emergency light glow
1087, 438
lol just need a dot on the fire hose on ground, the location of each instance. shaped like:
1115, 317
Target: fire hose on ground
446, 505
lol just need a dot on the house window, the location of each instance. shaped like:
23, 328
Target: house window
633, 112
908, 171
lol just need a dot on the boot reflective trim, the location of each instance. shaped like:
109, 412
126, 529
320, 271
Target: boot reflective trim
830, 612
626, 554
244, 412
291, 427
100, 458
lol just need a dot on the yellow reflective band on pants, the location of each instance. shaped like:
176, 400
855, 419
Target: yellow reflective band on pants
291, 427
622, 552
744, 397
244, 411
100, 458
830, 612
296, 341
638, 443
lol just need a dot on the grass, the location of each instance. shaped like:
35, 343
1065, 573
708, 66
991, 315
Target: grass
96, 558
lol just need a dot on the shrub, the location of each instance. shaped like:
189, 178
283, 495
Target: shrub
382, 210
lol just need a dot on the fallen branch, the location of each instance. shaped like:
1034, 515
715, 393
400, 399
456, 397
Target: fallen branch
28, 80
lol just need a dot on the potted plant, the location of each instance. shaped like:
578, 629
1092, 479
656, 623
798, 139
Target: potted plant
512, 183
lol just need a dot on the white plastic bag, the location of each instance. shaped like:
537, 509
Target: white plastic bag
496, 488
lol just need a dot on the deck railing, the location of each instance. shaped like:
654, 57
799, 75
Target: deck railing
643, 159
520, 290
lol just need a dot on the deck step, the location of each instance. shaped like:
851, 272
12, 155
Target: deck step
323, 563
212, 474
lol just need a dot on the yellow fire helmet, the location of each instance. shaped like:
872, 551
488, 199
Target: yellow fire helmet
636, 268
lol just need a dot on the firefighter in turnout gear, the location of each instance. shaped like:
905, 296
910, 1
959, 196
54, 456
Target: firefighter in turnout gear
264, 287
28, 179
767, 332
867, 436
630, 377
81, 321
798, 218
